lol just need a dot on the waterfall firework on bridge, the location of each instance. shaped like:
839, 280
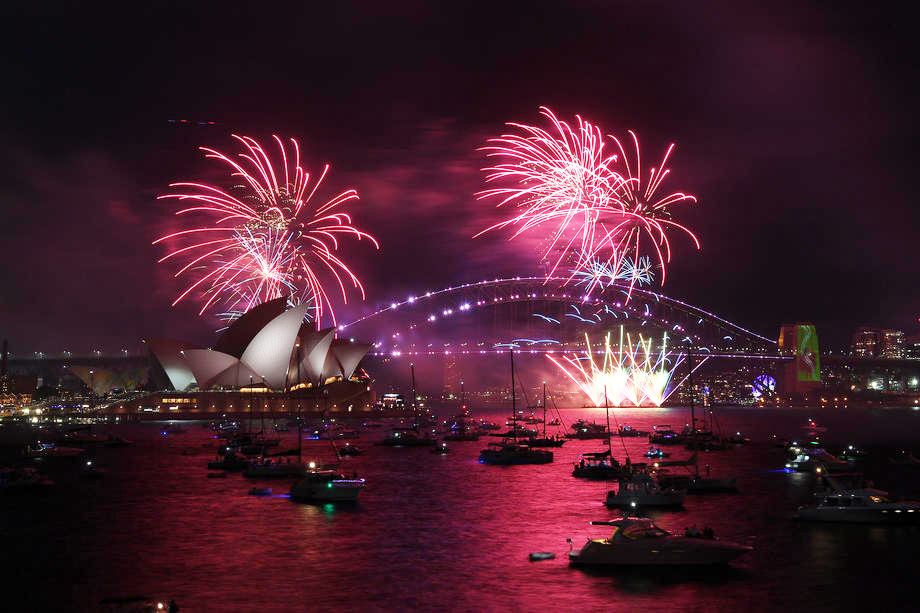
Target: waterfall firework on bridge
630, 374
593, 206
263, 237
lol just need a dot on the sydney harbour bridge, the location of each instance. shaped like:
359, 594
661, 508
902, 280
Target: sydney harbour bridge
465, 331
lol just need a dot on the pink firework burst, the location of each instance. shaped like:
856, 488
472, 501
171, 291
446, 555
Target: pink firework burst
560, 179
562, 182
643, 212
264, 237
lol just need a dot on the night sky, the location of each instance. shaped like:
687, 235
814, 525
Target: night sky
795, 129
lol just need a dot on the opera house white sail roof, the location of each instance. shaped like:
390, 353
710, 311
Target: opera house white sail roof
269, 345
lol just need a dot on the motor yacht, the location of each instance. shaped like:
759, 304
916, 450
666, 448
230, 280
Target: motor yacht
656, 452
664, 435
864, 505
588, 430
641, 490
510, 453
629, 432
327, 486
406, 438
802, 459
639, 542
597, 466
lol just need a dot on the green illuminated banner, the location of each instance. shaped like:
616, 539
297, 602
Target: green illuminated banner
807, 360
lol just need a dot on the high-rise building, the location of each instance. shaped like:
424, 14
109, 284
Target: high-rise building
912, 347
891, 344
865, 342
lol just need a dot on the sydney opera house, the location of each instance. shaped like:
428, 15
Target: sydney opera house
268, 359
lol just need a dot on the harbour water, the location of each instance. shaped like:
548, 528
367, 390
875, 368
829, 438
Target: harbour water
436, 533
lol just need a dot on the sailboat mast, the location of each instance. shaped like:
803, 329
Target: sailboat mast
513, 404
299, 414
607, 411
544, 409
414, 396
696, 457
250, 406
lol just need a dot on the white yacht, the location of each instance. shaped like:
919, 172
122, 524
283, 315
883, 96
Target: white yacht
864, 505
639, 542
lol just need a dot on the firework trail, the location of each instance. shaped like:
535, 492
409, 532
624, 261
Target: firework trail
264, 237
630, 375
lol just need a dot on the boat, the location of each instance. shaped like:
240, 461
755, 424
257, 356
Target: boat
515, 432
488, 425
409, 437
270, 469
544, 441
664, 435
597, 466
319, 485
228, 461
656, 452
22, 479
864, 506
815, 459
628, 432
39, 450
281, 428
89, 469
509, 451
852, 453
555, 421
406, 438
440, 448
260, 491
461, 434
639, 542
538, 556
350, 450
588, 430
739, 438
905, 458
639, 489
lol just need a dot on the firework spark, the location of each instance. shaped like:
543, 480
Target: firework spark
643, 212
264, 237
594, 207
630, 375
561, 178
598, 273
